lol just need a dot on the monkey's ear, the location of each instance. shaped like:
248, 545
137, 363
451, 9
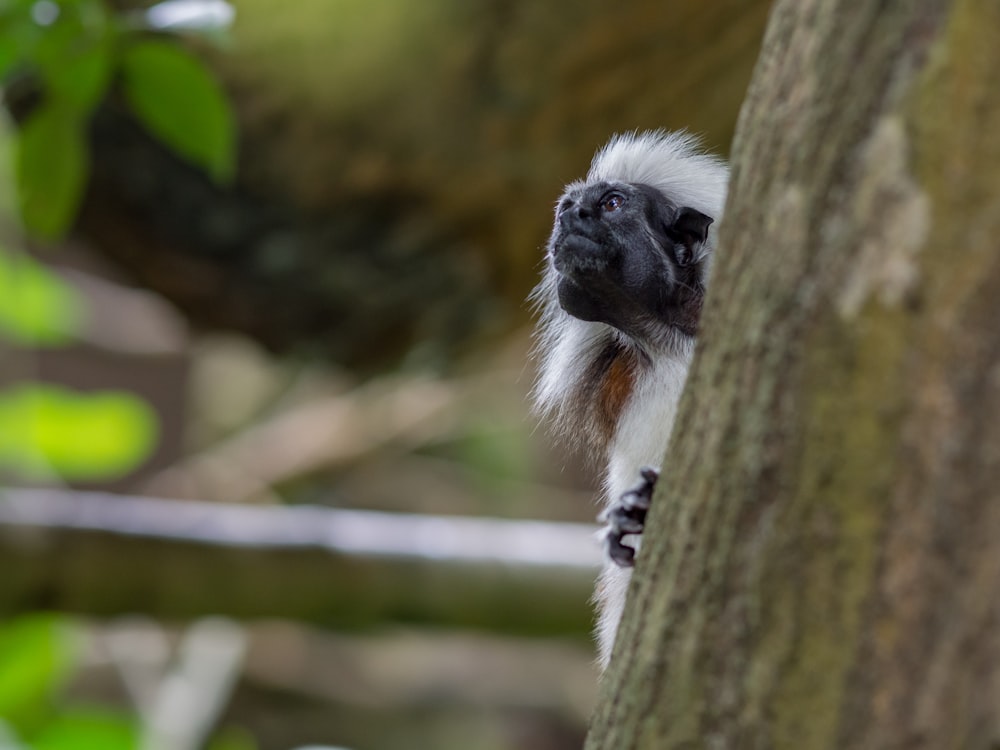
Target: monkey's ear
689, 230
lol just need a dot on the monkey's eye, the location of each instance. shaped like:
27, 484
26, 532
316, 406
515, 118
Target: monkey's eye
612, 202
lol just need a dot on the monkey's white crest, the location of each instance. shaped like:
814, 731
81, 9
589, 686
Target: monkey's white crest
673, 163
619, 303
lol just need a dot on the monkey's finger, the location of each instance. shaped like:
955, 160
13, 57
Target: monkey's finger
626, 521
636, 500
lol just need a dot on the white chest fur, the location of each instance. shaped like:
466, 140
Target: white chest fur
644, 428
640, 440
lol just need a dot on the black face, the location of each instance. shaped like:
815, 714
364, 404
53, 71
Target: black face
628, 257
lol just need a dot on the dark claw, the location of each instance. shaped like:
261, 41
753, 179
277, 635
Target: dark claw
628, 517
649, 476
621, 554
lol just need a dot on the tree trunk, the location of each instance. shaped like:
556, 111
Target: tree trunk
821, 568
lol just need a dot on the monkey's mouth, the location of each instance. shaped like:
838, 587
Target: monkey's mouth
575, 254
581, 266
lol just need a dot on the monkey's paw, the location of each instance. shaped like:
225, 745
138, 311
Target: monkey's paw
628, 516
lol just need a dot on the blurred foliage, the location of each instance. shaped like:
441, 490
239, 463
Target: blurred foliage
70, 52
51, 170
37, 308
38, 654
73, 51
179, 101
48, 431
87, 729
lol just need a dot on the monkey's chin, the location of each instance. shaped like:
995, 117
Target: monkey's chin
580, 303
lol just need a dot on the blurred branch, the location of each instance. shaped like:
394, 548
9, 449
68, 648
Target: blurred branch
318, 434
109, 555
193, 692
178, 695
401, 667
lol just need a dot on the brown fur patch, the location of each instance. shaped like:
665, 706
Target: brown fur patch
592, 411
614, 390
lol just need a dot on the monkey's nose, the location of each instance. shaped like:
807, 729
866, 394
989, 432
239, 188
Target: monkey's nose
575, 217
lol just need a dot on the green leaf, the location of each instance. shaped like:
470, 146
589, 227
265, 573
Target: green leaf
9, 55
179, 101
8, 148
88, 730
46, 430
36, 654
74, 55
17, 33
51, 170
81, 81
37, 308
72, 51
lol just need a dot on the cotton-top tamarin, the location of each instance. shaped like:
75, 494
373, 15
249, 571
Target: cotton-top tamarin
620, 299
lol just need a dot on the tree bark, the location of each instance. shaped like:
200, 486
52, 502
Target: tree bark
821, 566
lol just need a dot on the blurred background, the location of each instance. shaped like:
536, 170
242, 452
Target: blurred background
269, 473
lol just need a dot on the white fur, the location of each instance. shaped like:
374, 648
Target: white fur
640, 440
674, 164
